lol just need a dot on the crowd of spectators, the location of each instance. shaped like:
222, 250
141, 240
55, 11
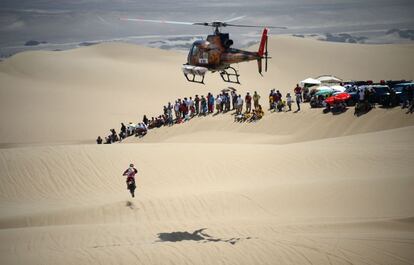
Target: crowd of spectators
184, 109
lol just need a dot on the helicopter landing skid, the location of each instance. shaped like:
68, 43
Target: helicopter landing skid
226, 76
193, 78
193, 71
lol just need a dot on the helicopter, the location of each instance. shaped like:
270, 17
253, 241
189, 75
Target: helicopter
215, 53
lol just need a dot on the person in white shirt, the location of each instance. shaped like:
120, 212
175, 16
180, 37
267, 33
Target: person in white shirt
191, 106
177, 110
239, 104
361, 94
289, 101
218, 103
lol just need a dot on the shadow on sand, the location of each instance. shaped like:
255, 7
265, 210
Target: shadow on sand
130, 205
197, 235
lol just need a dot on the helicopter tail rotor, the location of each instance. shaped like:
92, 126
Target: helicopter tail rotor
263, 41
266, 55
263, 51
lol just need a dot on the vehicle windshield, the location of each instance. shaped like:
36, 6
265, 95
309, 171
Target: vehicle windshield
398, 89
350, 90
381, 89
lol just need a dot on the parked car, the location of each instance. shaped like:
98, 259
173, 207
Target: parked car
353, 91
404, 92
383, 95
380, 94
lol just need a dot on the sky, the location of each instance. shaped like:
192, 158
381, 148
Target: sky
63, 24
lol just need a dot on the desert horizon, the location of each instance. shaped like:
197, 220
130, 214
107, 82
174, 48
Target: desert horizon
46, 25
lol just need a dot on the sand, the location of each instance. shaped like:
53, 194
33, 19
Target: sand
305, 188
73, 96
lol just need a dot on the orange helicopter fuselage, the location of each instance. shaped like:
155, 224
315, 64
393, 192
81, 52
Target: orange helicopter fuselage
215, 53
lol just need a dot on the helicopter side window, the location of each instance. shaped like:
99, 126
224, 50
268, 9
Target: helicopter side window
194, 50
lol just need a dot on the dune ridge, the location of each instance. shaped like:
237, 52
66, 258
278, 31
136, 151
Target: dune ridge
305, 188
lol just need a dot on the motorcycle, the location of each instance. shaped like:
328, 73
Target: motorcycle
131, 186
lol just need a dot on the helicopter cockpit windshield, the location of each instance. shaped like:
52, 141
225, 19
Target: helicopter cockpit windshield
200, 45
199, 52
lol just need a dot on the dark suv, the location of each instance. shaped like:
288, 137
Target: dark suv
383, 95
380, 94
404, 92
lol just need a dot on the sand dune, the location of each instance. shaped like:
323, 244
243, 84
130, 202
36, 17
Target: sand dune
286, 203
76, 95
305, 188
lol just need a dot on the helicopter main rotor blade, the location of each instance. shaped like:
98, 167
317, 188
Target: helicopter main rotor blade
252, 26
211, 24
161, 21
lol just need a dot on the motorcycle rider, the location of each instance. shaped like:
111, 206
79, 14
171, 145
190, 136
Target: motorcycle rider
130, 181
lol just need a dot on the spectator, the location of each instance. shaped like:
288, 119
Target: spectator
145, 120
113, 136
271, 100
298, 94
130, 128
197, 104
203, 105
289, 101
177, 110
361, 94
248, 100
256, 98
123, 128
234, 99
239, 104
210, 102
219, 104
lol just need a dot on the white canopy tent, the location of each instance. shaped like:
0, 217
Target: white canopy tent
309, 81
329, 79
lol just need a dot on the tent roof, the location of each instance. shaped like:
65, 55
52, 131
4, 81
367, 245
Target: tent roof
310, 81
329, 79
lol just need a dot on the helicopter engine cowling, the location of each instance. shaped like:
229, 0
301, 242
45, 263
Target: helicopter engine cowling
227, 43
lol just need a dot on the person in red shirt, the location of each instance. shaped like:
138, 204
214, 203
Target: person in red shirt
298, 94
297, 89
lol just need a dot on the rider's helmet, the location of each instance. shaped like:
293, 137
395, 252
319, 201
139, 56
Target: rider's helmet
131, 165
